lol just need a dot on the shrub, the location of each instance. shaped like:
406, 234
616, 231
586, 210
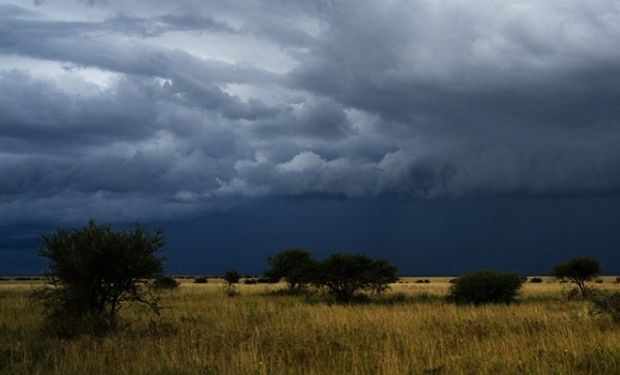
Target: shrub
344, 275
93, 271
536, 280
295, 266
201, 280
419, 281
484, 286
250, 281
577, 270
393, 299
617, 280
598, 281
165, 283
572, 294
607, 303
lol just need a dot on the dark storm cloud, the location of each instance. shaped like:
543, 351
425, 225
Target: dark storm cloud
153, 110
92, 44
42, 113
314, 119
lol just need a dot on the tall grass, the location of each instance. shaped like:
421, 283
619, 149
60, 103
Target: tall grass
205, 332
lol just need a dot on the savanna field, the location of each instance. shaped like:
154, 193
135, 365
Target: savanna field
408, 330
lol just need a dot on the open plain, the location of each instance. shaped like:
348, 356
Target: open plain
408, 330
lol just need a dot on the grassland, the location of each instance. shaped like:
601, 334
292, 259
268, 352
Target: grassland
408, 331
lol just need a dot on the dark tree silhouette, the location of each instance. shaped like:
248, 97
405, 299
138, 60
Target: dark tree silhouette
578, 270
485, 286
94, 270
343, 275
295, 266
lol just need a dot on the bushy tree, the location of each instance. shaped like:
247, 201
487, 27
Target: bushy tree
343, 275
485, 286
578, 270
93, 271
608, 303
296, 266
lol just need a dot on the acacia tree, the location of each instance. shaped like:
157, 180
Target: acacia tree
295, 266
93, 271
578, 270
343, 275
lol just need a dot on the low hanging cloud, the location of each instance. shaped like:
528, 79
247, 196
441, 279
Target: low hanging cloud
147, 109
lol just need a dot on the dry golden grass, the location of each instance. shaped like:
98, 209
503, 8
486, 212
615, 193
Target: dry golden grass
204, 332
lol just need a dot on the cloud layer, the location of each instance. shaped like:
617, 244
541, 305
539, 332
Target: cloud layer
160, 110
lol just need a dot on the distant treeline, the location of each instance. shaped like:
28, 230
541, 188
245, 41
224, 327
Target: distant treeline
93, 271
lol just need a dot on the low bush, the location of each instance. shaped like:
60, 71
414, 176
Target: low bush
200, 280
425, 297
536, 280
264, 280
392, 299
606, 303
165, 283
250, 281
484, 286
572, 294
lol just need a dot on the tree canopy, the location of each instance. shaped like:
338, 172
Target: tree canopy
344, 274
485, 286
578, 270
296, 266
94, 270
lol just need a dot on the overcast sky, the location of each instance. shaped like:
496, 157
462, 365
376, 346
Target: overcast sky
167, 111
